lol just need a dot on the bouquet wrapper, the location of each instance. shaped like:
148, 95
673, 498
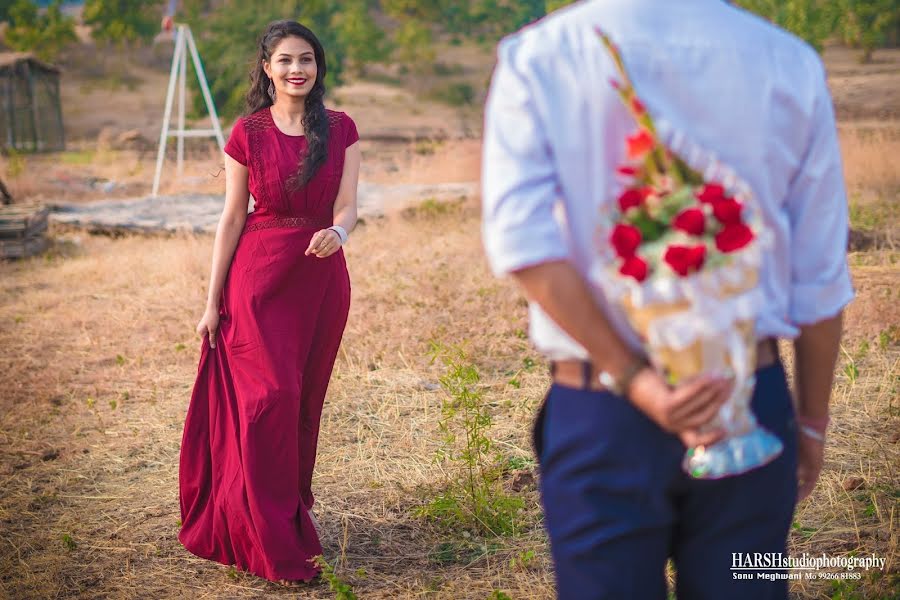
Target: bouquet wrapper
712, 332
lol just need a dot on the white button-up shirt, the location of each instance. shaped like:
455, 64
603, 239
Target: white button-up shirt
743, 89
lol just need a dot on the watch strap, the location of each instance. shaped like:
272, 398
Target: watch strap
630, 373
619, 385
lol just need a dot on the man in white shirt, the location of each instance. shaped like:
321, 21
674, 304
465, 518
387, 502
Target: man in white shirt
617, 504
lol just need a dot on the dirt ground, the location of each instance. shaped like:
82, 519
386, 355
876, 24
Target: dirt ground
864, 92
99, 355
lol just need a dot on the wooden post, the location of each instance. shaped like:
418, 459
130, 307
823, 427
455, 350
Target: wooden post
32, 101
10, 109
59, 115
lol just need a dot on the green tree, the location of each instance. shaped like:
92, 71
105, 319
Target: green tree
499, 17
364, 41
426, 10
865, 24
414, 43
472, 18
228, 40
811, 20
122, 21
192, 10
551, 5
413, 37
419, 20
45, 34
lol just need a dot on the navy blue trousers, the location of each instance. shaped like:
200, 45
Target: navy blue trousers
617, 504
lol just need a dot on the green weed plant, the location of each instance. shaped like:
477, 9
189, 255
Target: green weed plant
472, 498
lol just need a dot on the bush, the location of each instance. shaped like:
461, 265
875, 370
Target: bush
866, 24
43, 34
121, 21
811, 20
364, 42
454, 94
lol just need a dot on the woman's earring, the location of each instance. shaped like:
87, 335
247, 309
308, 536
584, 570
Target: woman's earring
271, 91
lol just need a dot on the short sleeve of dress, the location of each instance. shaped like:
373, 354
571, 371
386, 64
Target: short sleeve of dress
351, 135
236, 147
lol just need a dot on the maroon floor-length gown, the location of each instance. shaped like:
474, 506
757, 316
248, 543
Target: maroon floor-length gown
250, 437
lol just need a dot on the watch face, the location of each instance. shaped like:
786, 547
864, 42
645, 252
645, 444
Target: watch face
606, 380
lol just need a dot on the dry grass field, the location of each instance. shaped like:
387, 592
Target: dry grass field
98, 356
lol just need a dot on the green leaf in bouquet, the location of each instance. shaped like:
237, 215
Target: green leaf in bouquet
650, 229
674, 203
687, 174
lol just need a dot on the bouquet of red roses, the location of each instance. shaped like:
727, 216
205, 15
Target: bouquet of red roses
682, 255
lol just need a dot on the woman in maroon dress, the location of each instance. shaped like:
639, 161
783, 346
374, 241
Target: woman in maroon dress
279, 294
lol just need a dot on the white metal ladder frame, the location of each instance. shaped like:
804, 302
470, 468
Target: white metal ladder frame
184, 42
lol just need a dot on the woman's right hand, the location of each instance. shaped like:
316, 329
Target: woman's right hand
209, 325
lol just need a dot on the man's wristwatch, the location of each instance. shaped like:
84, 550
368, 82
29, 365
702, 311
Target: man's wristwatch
620, 385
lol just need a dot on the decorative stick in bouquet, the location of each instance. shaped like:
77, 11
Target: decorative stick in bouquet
683, 252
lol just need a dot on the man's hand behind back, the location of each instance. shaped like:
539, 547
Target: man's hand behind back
687, 410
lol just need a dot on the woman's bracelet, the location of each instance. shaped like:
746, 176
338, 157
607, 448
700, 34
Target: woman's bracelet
813, 427
810, 432
342, 233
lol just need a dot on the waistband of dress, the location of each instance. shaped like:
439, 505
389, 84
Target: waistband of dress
305, 222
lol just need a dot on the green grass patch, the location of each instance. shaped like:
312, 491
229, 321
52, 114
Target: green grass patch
78, 157
432, 208
881, 215
461, 552
453, 94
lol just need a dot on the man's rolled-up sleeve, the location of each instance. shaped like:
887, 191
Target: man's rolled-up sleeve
817, 206
519, 180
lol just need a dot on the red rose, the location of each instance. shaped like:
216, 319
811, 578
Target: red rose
627, 171
727, 211
634, 266
685, 259
690, 220
637, 106
733, 236
711, 193
639, 144
625, 239
632, 197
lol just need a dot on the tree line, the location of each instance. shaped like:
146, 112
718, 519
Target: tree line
863, 24
362, 32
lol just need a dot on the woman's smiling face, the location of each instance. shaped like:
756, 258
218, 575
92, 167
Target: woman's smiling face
292, 67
